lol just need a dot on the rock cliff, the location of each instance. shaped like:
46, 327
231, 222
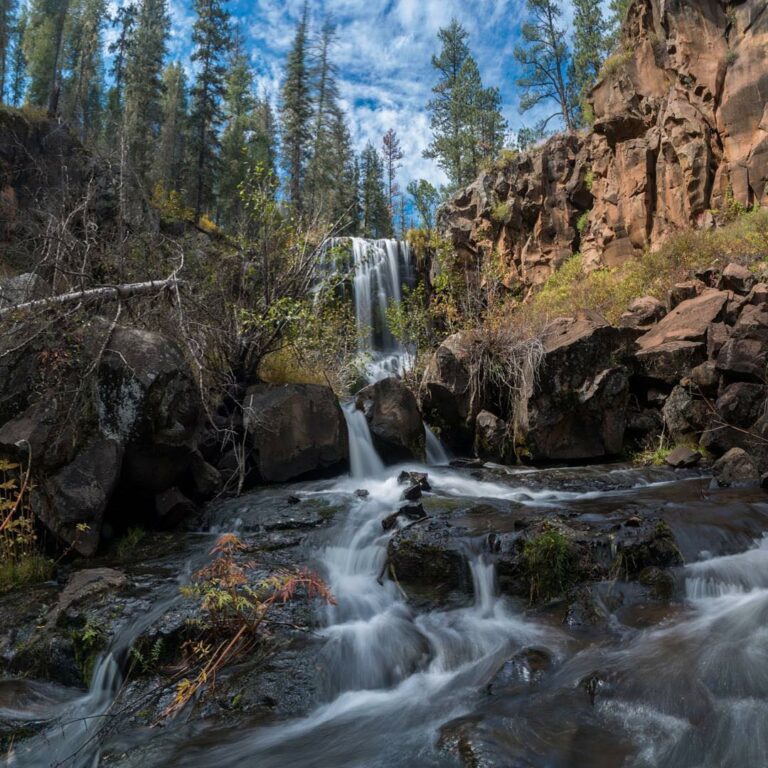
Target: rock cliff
680, 129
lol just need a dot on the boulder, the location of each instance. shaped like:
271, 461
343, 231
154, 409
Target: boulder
745, 353
705, 377
735, 468
415, 478
670, 361
683, 458
686, 414
738, 279
447, 398
294, 430
689, 321
394, 419
578, 408
20, 288
643, 313
738, 410
71, 503
490, 437
684, 292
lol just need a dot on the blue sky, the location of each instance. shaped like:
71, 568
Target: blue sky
383, 53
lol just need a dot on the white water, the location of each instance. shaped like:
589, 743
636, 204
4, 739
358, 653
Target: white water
437, 455
380, 269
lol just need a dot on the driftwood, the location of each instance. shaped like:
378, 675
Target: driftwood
104, 293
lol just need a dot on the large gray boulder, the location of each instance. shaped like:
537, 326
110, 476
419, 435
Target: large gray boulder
394, 419
745, 353
294, 430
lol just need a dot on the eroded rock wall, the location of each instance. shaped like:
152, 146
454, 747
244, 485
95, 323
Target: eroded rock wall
681, 123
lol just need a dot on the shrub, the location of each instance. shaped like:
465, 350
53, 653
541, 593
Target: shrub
21, 562
583, 221
500, 212
616, 63
589, 179
731, 57
549, 563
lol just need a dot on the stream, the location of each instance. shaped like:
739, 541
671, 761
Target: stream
402, 680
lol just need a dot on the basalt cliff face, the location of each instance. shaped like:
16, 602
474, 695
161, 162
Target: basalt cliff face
681, 124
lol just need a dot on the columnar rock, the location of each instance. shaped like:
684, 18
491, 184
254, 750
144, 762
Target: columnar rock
679, 130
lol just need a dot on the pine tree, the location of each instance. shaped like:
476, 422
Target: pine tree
591, 44
83, 84
544, 57
425, 199
393, 154
466, 120
237, 141
144, 84
7, 25
296, 116
211, 38
44, 38
18, 63
376, 220
169, 163
124, 21
344, 178
618, 15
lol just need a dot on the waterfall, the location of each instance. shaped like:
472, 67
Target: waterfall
364, 461
380, 268
437, 455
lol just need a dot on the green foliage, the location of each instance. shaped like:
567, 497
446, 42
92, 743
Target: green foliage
589, 179
128, 544
731, 57
21, 562
466, 120
169, 169
146, 657
549, 563
376, 215
88, 642
591, 44
583, 222
500, 212
425, 199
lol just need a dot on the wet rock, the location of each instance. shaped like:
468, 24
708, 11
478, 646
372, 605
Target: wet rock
643, 313
85, 585
415, 478
172, 506
412, 493
490, 437
295, 430
527, 667
738, 279
361, 493
394, 419
683, 458
659, 581
735, 468
206, 480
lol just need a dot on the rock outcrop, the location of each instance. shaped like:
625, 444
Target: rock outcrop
680, 129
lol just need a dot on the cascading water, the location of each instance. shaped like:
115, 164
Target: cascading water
380, 269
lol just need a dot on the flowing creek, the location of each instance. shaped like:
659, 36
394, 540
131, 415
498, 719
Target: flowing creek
399, 679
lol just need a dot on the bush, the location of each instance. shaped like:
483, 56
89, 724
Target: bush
616, 63
583, 221
500, 213
21, 562
549, 563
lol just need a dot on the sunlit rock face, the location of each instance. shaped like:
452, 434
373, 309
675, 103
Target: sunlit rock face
680, 129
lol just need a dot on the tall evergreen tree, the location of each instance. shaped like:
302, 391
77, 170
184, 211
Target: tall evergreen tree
124, 22
465, 117
544, 58
591, 45
7, 25
17, 69
44, 37
237, 142
376, 219
169, 162
144, 84
296, 116
211, 38
618, 13
344, 181
393, 154
83, 84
